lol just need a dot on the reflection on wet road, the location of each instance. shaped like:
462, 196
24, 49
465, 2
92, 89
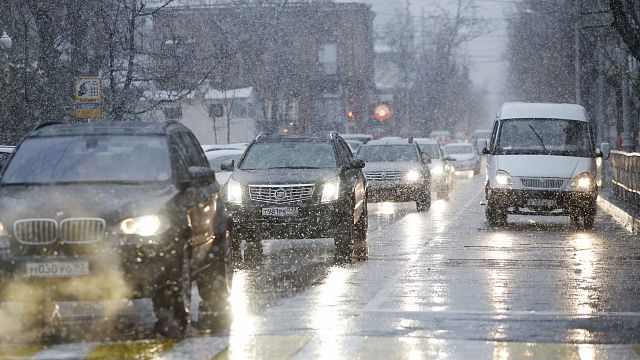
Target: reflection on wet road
437, 284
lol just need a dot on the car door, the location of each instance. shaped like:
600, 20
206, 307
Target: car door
354, 178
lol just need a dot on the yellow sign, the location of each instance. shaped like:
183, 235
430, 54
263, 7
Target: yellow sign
88, 90
88, 111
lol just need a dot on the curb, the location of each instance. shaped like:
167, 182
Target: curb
620, 216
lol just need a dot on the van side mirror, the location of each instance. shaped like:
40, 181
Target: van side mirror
604, 151
228, 165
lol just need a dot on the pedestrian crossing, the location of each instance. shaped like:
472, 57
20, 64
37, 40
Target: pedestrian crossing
317, 347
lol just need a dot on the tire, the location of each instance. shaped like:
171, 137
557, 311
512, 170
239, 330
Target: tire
361, 249
574, 218
214, 284
172, 299
495, 214
423, 203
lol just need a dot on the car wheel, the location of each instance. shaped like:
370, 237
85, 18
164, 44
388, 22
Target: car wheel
172, 299
423, 202
214, 284
361, 250
588, 221
495, 214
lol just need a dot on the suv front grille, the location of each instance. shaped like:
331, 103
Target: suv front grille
69, 231
383, 175
542, 183
81, 230
281, 194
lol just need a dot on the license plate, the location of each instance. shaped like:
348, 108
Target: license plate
280, 211
542, 202
57, 269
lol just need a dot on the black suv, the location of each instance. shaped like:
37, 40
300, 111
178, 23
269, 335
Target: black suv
299, 187
114, 210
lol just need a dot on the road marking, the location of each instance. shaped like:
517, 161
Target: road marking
66, 351
197, 348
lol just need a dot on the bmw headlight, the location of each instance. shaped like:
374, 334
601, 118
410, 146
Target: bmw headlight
413, 176
503, 178
147, 225
234, 192
331, 190
583, 182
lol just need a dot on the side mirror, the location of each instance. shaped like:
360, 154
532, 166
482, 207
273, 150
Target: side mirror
357, 164
605, 151
228, 165
485, 151
201, 175
481, 144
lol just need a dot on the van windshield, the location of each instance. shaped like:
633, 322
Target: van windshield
545, 137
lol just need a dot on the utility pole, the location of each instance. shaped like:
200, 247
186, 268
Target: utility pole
577, 60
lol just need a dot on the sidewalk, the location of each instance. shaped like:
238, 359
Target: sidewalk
625, 213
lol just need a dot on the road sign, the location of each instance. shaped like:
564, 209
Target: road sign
88, 90
88, 111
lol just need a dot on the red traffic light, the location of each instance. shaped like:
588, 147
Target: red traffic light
351, 114
382, 112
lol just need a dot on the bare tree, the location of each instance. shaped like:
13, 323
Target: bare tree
626, 21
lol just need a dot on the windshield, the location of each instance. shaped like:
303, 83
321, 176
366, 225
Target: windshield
63, 159
289, 154
432, 150
215, 162
544, 136
379, 153
458, 149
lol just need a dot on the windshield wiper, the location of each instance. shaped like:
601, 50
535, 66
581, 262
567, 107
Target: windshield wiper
539, 138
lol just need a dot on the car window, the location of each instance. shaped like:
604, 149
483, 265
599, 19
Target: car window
94, 158
289, 154
181, 156
459, 149
195, 156
345, 151
388, 153
432, 150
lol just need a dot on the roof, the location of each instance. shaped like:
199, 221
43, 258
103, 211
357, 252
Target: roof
293, 138
103, 127
221, 153
521, 110
389, 141
420, 141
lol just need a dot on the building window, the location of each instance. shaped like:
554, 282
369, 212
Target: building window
328, 57
216, 110
239, 109
173, 113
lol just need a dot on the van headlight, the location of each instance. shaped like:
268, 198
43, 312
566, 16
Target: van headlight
331, 190
503, 178
234, 192
582, 182
412, 176
147, 225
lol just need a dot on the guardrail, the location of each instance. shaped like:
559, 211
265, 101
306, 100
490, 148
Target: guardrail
625, 176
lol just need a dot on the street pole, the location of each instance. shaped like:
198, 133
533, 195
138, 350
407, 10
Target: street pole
577, 64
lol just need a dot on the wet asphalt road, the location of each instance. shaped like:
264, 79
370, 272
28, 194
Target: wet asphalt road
440, 284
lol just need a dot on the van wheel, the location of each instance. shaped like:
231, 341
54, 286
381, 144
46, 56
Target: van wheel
496, 215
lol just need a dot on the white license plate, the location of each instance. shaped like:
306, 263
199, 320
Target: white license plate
57, 269
542, 202
280, 211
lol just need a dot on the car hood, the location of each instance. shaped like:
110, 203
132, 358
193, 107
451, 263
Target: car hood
107, 201
543, 165
391, 166
223, 176
283, 176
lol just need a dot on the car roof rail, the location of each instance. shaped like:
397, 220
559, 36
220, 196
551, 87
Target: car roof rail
262, 134
45, 124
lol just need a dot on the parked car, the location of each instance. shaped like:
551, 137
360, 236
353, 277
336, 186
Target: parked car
218, 147
300, 187
442, 172
105, 211
542, 160
465, 155
217, 158
397, 171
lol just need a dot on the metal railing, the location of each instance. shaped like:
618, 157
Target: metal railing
625, 176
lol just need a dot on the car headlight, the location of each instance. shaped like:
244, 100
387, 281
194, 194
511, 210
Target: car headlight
437, 170
331, 190
503, 178
413, 176
147, 225
234, 192
5, 246
582, 181
3, 231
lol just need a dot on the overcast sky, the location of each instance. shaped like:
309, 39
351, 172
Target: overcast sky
485, 54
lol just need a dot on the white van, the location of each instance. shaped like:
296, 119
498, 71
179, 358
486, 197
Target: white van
542, 161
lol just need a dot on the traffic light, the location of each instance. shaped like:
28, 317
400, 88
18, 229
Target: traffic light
382, 112
351, 115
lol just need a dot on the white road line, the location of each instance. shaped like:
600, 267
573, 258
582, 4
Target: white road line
197, 348
66, 351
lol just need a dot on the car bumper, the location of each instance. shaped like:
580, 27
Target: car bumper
522, 202
312, 220
390, 191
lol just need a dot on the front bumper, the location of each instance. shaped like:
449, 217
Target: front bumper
543, 202
465, 166
314, 220
378, 191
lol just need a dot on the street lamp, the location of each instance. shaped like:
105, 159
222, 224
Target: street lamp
5, 41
